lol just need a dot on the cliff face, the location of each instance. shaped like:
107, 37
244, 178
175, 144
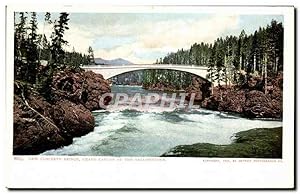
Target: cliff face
40, 125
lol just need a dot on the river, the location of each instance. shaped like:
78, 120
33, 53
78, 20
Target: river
123, 132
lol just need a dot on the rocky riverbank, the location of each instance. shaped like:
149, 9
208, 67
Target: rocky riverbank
249, 100
254, 143
40, 125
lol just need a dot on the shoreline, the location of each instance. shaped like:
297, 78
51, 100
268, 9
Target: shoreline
70, 114
220, 112
235, 113
41, 124
253, 143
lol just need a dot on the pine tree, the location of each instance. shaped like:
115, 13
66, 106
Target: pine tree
219, 61
234, 59
248, 60
275, 45
242, 49
254, 52
56, 59
264, 61
44, 46
212, 66
58, 42
32, 50
48, 18
91, 56
20, 46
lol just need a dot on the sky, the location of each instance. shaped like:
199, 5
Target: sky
145, 37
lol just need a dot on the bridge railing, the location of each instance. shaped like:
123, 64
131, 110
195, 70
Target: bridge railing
143, 65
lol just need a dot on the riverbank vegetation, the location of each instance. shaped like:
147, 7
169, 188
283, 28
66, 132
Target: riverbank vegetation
254, 143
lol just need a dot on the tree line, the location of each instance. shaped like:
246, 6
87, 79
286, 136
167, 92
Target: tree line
31, 49
231, 60
178, 79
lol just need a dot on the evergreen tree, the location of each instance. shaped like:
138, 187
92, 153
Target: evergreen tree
32, 50
212, 64
57, 52
91, 56
20, 46
56, 60
275, 45
44, 48
234, 59
254, 52
219, 60
48, 18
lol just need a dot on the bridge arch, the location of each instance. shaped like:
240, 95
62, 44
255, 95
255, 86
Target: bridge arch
109, 71
192, 73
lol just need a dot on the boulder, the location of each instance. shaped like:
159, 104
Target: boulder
258, 104
232, 101
81, 87
40, 125
74, 120
210, 103
32, 133
96, 87
201, 89
48, 126
249, 100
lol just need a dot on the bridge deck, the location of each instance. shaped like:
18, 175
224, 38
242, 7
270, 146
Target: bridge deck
145, 66
109, 71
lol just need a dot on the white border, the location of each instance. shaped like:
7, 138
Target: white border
172, 172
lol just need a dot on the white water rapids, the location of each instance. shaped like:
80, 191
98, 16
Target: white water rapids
152, 133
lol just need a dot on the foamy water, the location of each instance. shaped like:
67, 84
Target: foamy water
153, 131
132, 133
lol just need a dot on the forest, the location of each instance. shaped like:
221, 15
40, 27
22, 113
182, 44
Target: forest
230, 60
36, 58
53, 96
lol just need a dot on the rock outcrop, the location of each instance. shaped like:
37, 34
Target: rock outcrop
33, 133
40, 125
258, 104
201, 89
73, 119
249, 100
81, 87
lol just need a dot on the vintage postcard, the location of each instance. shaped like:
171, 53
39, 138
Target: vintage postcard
150, 97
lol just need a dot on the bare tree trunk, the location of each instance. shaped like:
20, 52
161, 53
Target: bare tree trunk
240, 65
276, 65
226, 76
266, 74
254, 63
212, 84
50, 58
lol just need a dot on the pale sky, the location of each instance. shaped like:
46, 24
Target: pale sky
144, 37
